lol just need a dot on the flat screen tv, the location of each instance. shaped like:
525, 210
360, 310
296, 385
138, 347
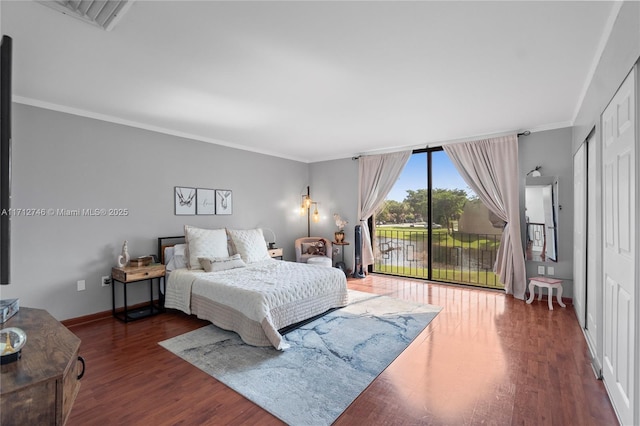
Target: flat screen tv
5, 159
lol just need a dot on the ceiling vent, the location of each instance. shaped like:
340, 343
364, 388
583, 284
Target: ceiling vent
102, 13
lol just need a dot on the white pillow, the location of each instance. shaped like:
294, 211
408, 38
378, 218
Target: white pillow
250, 244
179, 250
204, 243
176, 256
215, 264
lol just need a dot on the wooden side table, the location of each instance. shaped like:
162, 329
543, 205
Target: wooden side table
341, 265
41, 387
276, 253
549, 283
134, 274
341, 244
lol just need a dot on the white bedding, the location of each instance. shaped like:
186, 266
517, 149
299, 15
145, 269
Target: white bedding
264, 297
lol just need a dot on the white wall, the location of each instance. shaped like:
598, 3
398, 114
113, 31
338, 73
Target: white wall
335, 185
620, 54
551, 149
62, 161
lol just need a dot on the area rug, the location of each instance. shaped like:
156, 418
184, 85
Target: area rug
330, 362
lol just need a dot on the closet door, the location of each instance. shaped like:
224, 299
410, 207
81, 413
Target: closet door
579, 233
593, 326
619, 251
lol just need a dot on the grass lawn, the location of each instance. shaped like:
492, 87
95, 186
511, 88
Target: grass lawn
442, 239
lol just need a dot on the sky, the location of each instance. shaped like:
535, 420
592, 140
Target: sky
414, 175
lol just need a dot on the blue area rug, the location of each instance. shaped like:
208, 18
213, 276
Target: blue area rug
330, 362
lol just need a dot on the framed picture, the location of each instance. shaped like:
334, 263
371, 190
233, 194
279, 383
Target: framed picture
224, 201
205, 201
185, 200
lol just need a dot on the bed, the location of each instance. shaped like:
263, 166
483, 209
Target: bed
228, 278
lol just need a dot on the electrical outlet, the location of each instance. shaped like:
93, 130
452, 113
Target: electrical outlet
106, 281
551, 270
81, 285
540, 269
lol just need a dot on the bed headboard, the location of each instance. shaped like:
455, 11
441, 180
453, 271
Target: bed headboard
164, 242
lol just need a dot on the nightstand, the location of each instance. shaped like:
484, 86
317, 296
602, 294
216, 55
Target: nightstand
276, 253
133, 274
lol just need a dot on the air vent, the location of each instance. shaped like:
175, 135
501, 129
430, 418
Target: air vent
102, 13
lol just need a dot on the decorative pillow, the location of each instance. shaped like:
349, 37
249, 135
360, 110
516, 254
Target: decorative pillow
179, 250
250, 244
176, 257
204, 243
317, 248
215, 264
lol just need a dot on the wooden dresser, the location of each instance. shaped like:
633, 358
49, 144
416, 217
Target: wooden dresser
40, 388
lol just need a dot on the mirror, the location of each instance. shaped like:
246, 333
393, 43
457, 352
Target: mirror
541, 205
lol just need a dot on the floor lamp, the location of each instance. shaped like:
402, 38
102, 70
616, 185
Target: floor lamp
305, 207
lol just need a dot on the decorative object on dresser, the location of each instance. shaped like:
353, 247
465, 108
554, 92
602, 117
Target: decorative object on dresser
205, 201
141, 261
185, 200
124, 257
224, 201
8, 308
12, 339
132, 274
345, 346
41, 387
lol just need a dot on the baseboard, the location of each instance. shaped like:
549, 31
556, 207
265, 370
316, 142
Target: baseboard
101, 315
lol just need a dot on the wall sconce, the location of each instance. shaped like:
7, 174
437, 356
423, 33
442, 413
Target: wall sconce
535, 171
305, 207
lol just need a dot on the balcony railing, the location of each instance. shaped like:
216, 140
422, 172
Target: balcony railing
458, 257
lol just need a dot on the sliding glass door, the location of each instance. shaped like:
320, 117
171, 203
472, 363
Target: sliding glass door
433, 226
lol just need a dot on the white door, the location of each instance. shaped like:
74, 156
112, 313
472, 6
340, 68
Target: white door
594, 283
579, 233
619, 246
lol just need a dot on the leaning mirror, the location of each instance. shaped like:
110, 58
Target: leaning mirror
541, 204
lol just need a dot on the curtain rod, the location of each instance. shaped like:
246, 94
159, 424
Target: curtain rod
475, 138
523, 133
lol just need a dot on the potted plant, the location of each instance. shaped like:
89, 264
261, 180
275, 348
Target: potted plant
340, 223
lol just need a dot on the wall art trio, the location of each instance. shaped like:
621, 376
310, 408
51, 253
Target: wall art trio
202, 201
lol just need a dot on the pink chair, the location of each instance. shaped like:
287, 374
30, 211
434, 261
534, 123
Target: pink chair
306, 249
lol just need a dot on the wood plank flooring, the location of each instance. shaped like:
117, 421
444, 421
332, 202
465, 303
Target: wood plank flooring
485, 359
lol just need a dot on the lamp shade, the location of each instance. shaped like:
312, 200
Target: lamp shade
271, 241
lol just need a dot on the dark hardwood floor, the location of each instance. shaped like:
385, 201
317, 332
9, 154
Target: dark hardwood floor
485, 359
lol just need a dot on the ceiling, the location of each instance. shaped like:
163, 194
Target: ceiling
314, 81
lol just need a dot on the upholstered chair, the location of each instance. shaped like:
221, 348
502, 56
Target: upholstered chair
303, 245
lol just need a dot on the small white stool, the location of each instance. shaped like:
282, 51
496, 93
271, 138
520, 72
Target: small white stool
549, 283
320, 260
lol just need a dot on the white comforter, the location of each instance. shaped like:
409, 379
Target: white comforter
258, 289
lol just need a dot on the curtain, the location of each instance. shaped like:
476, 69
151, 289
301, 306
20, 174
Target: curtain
377, 175
490, 168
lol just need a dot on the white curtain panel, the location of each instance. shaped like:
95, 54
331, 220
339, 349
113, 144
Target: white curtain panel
490, 168
377, 175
